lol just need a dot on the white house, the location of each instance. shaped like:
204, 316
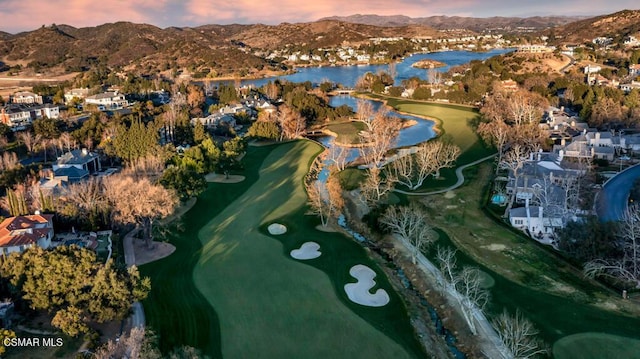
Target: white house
110, 100
26, 97
634, 70
534, 220
79, 93
21, 232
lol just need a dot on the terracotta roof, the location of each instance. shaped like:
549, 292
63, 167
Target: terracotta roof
24, 230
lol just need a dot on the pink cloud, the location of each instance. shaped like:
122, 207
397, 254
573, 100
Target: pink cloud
30, 14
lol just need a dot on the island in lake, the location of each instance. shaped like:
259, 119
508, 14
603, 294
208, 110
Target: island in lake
428, 64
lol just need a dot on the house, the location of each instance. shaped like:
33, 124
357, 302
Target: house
634, 70
21, 232
26, 97
76, 165
533, 220
630, 86
631, 41
535, 49
592, 69
17, 117
108, 100
78, 93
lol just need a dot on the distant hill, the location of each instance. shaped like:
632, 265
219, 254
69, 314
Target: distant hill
224, 49
504, 24
616, 25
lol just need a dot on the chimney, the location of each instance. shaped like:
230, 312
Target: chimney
563, 142
597, 138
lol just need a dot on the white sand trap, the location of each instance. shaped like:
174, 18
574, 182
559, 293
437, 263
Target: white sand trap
308, 250
360, 292
277, 228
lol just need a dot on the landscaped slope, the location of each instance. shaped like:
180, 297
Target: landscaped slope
269, 305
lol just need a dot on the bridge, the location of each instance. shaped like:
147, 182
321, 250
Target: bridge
343, 91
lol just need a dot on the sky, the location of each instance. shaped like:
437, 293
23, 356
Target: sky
22, 15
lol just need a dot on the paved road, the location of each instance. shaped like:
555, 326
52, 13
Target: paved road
459, 183
612, 199
137, 317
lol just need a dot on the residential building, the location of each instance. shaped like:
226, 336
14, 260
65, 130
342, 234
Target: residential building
26, 98
534, 221
107, 100
592, 69
16, 117
634, 70
535, 49
22, 232
79, 93
630, 86
76, 165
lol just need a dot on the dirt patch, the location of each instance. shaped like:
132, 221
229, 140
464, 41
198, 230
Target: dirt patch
495, 247
450, 194
220, 178
328, 228
145, 255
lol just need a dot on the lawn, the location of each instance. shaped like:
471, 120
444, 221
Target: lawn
266, 304
348, 132
192, 321
596, 346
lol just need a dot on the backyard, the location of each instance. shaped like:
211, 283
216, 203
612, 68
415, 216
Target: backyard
236, 292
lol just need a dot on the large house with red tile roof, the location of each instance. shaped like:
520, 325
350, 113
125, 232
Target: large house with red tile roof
21, 232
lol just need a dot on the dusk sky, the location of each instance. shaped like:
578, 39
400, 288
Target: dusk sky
21, 15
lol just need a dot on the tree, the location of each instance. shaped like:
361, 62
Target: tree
86, 201
325, 199
376, 185
514, 161
199, 132
73, 286
337, 155
379, 138
138, 201
272, 90
519, 336
604, 111
624, 267
195, 99
185, 181
496, 133
139, 140
28, 140
446, 258
472, 295
265, 130
429, 159
139, 343
5, 334
410, 224
47, 127
292, 124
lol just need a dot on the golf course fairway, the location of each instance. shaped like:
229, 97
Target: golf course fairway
269, 305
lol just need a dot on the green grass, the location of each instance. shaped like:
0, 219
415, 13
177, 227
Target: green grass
348, 132
192, 320
266, 304
456, 124
596, 346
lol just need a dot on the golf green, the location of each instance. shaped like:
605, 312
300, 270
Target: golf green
596, 346
267, 304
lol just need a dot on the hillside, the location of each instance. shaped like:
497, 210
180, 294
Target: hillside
504, 24
616, 26
218, 49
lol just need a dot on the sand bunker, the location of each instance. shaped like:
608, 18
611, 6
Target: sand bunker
277, 228
221, 178
359, 292
308, 250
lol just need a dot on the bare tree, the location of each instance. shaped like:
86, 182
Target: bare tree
28, 140
446, 257
139, 201
291, 122
514, 161
472, 295
325, 199
66, 141
272, 91
376, 185
429, 159
150, 166
410, 224
135, 345
519, 336
365, 113
434, 77
497, 133
625, 267
338, 156
9, 161
379, 138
